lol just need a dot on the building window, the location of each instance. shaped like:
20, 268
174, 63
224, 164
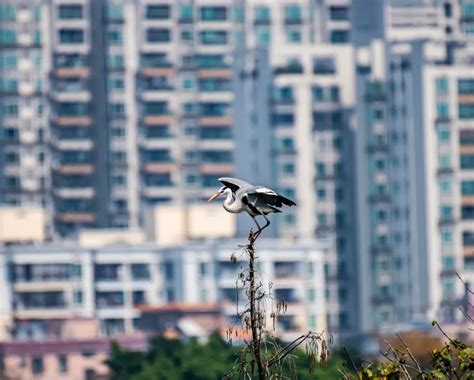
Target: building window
70, 12
62, 363
448, 263
324, 66
138, 297
7, 12
7, 37
213, 13
71, 36
467, 161
203, 269
442, 86
446, 212
467, 187
213, 37
115, 82
262, 14
466, 111
466, 86
114, 12
77, 297
8, 60
339, 36
114, 36
293, 36
443, 135
186, 12
445, 186
446, 237
338, 13
140, 272
158, 35
168, 270
442, 110
170, 296
448, 288
37, 365
262, 36
292, 14
158, 12
187, 35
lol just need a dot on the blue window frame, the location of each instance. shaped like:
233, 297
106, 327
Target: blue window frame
214, 37
213, 13
158, 35
71, 36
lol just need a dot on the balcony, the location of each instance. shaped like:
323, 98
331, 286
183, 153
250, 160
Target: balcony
468, 251
72, 144
72, 121
155, 83
74, 193
40, 300
71, 72
217, 168
108, 272
150, 120
74, 169
466, 149
467, 200
214, 73
75, 217
157, 71
466, 98
152, 168
105, 300
217, 120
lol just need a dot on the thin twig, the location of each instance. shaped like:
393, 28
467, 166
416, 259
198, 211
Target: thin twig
350, 358
410, 353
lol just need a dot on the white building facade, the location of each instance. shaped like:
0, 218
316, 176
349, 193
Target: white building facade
59, 281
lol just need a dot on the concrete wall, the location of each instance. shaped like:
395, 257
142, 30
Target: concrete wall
22, 224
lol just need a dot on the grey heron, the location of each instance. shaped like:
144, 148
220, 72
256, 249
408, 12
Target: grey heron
255, 200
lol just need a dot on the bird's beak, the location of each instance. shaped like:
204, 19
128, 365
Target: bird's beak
216, 195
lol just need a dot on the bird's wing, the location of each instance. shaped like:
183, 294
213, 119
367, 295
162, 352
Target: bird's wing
272, 198
233, 183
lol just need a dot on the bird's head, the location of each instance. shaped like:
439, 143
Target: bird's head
222, 190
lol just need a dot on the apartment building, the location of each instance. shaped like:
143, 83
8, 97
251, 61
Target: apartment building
449, 129
411, 216
61, 281
110, 106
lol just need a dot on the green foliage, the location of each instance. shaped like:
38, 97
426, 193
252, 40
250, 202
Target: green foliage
191, 360
455, 360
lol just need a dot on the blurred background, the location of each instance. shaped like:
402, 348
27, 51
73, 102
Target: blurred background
117, 117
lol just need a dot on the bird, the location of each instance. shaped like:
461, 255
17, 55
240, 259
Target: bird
255, 200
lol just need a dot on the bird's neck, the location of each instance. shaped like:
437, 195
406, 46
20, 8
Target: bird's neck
230, 204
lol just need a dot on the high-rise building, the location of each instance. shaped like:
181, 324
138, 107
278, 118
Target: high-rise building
109, 106
412, 155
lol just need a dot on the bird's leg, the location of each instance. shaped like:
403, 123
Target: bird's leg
266, 224
255, 235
